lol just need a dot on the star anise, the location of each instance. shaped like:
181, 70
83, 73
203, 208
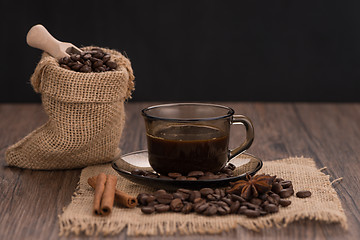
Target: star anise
252, 186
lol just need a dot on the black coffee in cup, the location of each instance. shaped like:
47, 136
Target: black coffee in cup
185, 137
185, 148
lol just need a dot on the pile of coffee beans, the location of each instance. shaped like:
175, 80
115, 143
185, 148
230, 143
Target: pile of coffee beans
210, 202
95, 60
226, 172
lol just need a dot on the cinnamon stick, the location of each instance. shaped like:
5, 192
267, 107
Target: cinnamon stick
107, 200
99, 191
121, 198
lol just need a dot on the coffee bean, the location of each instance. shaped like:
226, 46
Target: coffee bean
303, 194
284, 202
196, 174
206, 191
286, 184
65, 66
160, 208
242, 209
235, 197
181, 178
191, 178
150, 199
211, 210
176, 205
256, 201
285, 193
187, 208
199, 208
174, 175
111, 64
94, 59
178, 195
271, 208
148, 210
251, 213
106, 58
194, 195
276, 187
234, 207
165, 198
227, 201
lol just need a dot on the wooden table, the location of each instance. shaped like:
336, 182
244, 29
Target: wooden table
30, 201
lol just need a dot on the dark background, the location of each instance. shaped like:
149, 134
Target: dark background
200, 50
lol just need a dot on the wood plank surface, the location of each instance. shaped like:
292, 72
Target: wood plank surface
31, 201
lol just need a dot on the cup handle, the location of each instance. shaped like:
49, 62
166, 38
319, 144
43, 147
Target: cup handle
241, 119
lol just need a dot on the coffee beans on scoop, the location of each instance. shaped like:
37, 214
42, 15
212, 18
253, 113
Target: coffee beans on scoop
216, 201
226, 172
95, 60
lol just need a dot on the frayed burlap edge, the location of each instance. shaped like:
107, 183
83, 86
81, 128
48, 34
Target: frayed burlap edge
89, 227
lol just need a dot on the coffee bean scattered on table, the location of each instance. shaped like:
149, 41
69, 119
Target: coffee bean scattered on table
226, 172
216, 201
303, 194
95, 60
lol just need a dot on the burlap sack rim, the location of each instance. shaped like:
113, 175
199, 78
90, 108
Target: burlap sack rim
90, 227
48, 64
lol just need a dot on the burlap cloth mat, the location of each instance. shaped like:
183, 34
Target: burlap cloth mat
324, 205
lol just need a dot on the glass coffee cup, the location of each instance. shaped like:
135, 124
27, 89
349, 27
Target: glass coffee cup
185, 137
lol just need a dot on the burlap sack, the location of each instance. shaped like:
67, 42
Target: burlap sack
86, 116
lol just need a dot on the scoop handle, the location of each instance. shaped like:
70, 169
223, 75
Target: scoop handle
39, 37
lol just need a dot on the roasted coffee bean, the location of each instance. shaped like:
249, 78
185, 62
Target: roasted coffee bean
263, 212
96, 60
234, 207
153, 203
111, 64
85, 69
278, 180
176, 205
251, 213
150, 199
271, 208
213, 197
196, 174
242, 209
250, 205
199, 200
65, 66
206, 191
285, 193
160, 208
256, 201
159, 192
221, 210
148, 210
227, 201
142, 198
165, 198
106, 58
181, 178
174, 175
199, 208
276, 187
193, 195
235, 197
191, 178
178, 195
284, 202
286, 184
211, 210
303, 194
75, 57
187, 208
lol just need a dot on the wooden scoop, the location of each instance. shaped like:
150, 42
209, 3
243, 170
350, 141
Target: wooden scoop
39, 37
